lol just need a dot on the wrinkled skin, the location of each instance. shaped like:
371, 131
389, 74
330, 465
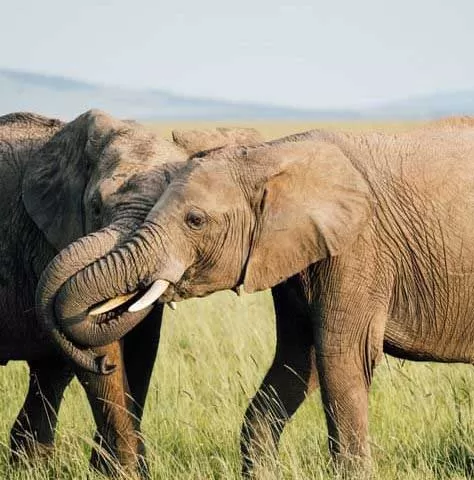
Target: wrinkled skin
60, 182
366, 240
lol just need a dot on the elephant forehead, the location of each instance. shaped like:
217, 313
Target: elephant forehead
120, 177
143, 148
211, 172
125, 170
212, 200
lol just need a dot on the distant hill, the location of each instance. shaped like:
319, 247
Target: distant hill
66, 98
428, 106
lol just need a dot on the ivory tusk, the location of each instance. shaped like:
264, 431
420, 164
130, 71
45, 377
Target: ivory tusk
150, 296
108, 305
239, 290
172, 305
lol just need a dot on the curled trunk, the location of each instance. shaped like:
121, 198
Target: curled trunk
66, 265
84, 274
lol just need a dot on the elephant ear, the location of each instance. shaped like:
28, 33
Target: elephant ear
54, 181
194, 141
313, 205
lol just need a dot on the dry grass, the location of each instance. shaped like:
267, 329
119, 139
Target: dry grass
278, 129
213, 355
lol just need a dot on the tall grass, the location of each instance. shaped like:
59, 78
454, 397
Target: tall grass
213, 355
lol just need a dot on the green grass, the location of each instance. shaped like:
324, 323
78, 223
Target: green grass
213, 355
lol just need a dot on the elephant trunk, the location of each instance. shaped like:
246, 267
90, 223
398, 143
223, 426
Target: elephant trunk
65, 265
86, 273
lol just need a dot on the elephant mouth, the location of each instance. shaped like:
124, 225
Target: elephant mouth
133, 302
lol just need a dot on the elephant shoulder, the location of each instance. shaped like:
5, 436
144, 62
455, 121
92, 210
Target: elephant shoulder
28, 118
22, 133
20, 126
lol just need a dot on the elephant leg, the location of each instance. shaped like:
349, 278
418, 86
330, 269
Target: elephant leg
33, 432
346, 355
291, 377
344, 391
119, 446
140, 349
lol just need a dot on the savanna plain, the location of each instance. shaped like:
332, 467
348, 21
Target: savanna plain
213, 355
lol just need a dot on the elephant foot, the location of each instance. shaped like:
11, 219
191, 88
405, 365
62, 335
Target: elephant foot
107, 462
353, 467
261, 470
260, 463
27, 450
259, 447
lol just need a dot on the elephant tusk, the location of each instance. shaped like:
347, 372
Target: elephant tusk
150, 296
172, 305
239, 290
108, 305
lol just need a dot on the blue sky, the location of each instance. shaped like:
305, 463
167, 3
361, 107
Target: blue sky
338, 53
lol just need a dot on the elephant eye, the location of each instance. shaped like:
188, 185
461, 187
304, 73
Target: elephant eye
196, 220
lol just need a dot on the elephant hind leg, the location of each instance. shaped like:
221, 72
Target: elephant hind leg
32, 434
291, 377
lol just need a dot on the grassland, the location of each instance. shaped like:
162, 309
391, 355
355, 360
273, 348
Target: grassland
212, 357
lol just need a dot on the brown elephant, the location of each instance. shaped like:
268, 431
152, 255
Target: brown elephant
366, 240
60, 182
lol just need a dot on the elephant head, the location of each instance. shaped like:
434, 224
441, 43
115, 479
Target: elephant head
89, 173
241, 215
88, 189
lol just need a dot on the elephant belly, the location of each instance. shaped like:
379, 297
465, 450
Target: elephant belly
449, 338
431, 310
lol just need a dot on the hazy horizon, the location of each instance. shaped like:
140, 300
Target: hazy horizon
307, 54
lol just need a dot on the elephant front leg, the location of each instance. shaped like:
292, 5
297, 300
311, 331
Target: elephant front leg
32, 434
291, 377
345, 363
119, 447
344, 391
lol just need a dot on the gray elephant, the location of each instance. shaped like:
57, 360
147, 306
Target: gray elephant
366, 240
61, 181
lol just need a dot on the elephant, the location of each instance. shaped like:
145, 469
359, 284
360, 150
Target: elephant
88, 182
366, 240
